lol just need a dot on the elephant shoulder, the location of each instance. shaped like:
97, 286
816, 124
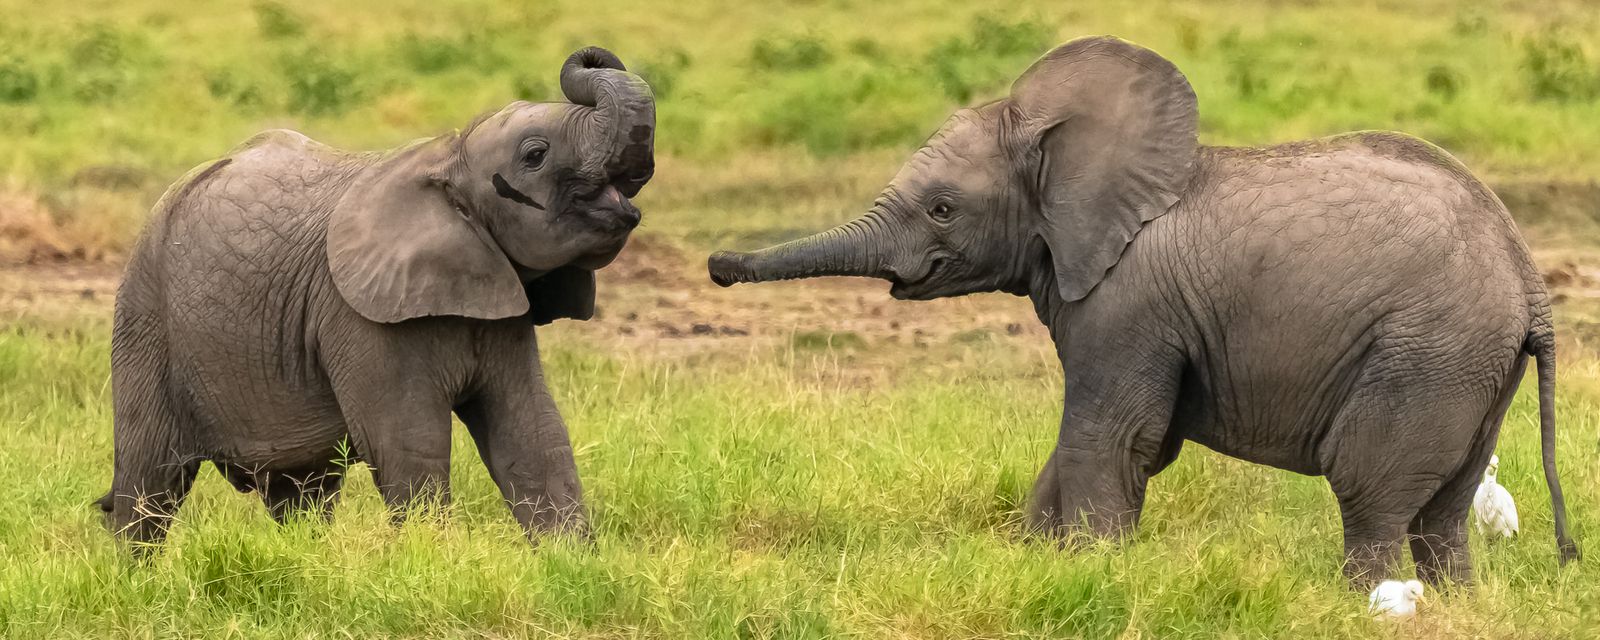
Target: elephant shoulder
1344, 148
1382, 181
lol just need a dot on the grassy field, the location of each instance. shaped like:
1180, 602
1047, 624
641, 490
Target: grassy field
817, 461
751, 495
748, 496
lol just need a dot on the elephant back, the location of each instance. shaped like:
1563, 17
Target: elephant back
245, 224
278, 184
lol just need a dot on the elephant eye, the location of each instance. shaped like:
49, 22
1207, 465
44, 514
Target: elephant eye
940, 211
535, 157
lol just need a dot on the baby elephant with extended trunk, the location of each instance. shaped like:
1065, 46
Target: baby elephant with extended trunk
1357, 307
290, 297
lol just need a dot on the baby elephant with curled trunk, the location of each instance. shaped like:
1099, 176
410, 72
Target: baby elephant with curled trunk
291, 297
1356, 307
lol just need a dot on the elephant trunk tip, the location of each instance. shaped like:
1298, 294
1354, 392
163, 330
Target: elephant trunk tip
728, 268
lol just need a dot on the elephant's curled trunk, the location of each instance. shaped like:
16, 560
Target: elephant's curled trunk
850, 249
624, 117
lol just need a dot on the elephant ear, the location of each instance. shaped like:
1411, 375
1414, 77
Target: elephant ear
1108, 139
399, 247
567, 292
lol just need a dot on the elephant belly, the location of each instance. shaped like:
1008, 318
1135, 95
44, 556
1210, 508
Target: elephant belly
1286, 456
258, 401
267, 430
1419, 374
1290, 449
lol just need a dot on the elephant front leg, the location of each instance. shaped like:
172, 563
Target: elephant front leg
523, 441
1113, 438
1099, 493
401, 427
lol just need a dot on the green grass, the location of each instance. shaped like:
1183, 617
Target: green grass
746, 496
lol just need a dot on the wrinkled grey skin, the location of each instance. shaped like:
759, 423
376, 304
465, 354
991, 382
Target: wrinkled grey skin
1357, 307
290, 298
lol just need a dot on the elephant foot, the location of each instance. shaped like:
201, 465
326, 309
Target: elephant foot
545, 518
1084, 529
1060, 513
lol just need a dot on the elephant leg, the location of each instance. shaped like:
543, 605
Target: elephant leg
1113, 438
1379, 496
1439, 532
1394, 445
152, 469
145, 496
1373, 541
1098, 492
1044, 508
399, 424
523, 441
301, 492
1439, 541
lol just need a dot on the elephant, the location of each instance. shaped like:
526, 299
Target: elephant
1357, 307
292, 306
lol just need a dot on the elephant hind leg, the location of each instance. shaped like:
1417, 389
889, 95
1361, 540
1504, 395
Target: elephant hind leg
1438, 537
300, 492
1385, 459
292, 492
1439, 532
1394, 461
1373, 537
147, 489
153, 466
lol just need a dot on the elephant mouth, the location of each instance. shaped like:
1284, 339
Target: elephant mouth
918, 289
610, 221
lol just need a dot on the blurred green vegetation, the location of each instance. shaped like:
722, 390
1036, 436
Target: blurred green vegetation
142, 90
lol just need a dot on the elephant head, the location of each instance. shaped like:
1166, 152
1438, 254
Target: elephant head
510, 215
1096, 139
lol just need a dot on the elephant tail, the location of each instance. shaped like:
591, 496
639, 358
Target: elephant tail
1542, 345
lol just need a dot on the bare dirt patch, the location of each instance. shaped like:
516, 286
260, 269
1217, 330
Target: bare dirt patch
28, 234
57, 291
658, 296
656, 299
1572, 278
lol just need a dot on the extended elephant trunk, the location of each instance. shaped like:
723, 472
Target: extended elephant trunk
624, 116
850, 249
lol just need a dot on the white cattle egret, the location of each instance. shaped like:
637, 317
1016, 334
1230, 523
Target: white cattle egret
1395, 599
1493, 507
